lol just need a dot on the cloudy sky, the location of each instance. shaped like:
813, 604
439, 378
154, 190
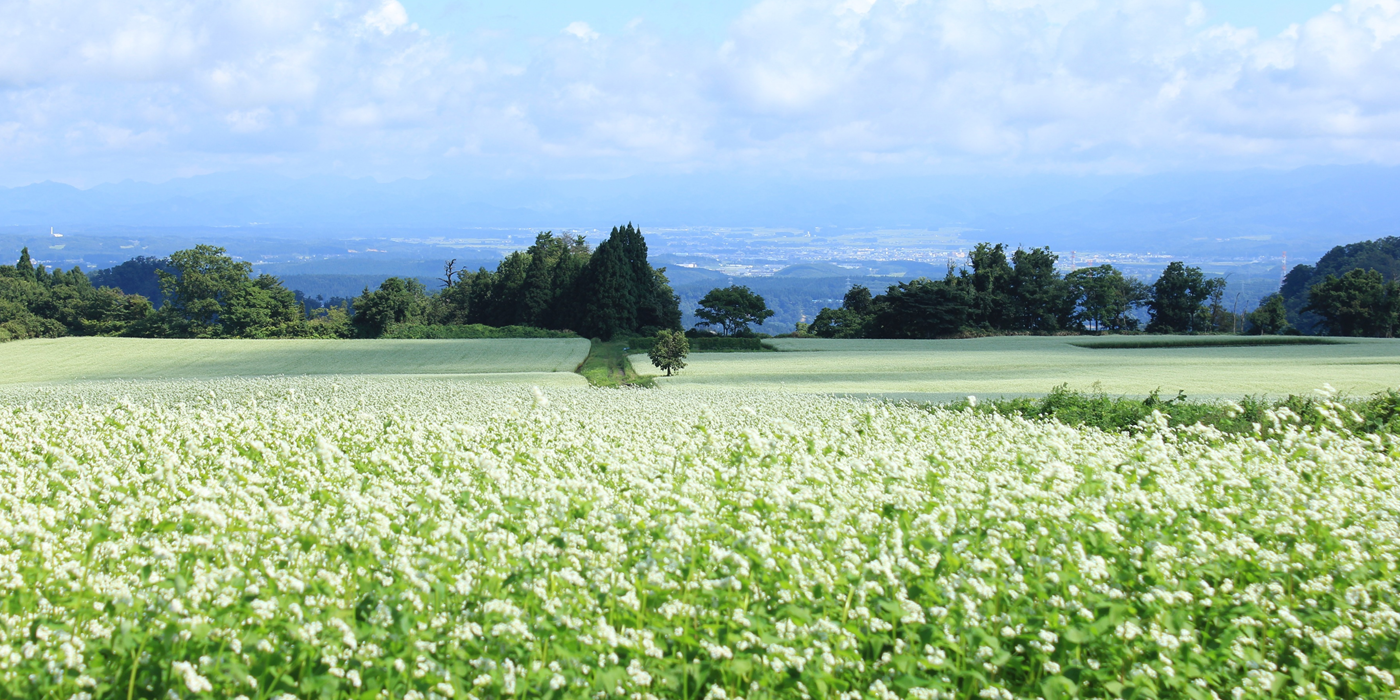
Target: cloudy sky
103, 90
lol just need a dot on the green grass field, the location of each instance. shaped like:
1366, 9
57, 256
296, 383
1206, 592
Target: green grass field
945, 369
69, 359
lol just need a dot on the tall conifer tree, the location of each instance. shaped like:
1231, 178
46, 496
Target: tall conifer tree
611, 290
25, 264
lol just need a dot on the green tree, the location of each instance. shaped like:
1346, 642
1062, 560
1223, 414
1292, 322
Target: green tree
665, 310
1271, 318
1359, 303
453, 303
838, 323
199, 288
25, 266
1178, 303
539, 291
483, 283
1103, 298
135, 276
669, 351
396, 301
611, 293
1040, 299
848, 321
210, 295
507, 305
857, 300
732, 308
622, 292
1295, 297
922, 308
262, 308
567, 310
991, 283
37, 304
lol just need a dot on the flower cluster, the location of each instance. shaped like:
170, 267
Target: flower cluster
433, 538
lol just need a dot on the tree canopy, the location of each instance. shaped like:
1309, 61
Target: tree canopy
669, 351
1178, 301
1104, 299
37, 303
732, 309
558, 283
1271, 318
1381, 255
210, 295
1025, 293
1358, 303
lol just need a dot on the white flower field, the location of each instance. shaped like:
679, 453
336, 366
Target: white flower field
426, 538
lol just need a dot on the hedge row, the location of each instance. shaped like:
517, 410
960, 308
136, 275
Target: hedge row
475, 330
704, 344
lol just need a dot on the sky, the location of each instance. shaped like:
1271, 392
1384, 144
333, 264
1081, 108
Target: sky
95, 91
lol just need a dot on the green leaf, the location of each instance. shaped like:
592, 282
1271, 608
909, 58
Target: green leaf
1058, 687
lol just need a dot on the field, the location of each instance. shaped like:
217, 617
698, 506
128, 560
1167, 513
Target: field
427, 538
949, 369
66, 359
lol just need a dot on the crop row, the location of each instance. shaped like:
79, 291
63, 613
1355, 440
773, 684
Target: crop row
422, 538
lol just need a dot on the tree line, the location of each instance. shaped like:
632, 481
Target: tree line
561, 285
1024, 292
558, 284
1352, 290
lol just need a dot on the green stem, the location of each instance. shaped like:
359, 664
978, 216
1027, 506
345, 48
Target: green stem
135, 664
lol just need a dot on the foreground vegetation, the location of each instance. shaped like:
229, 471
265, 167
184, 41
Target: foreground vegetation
426, 539
1378, 413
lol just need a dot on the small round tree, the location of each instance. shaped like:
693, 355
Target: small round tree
669, 351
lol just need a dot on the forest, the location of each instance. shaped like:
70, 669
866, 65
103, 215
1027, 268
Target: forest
561, 286
1345, 295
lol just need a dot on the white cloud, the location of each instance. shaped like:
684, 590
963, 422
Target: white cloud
249, 122
581, 30
387, 17
859, 86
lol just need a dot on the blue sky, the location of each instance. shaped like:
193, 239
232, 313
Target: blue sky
106, 90
709, 20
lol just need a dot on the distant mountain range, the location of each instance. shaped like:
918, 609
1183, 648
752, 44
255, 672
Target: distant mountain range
1254, 212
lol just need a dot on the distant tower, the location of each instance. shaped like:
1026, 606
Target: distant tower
1283, 270
1073, 263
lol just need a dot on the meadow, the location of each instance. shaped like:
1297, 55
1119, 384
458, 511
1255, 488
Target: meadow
942, 370
426, 538
68, 359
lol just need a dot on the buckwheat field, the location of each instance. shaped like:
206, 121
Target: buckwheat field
430, 538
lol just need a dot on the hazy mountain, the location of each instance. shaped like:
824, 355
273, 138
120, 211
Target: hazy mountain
1304, 211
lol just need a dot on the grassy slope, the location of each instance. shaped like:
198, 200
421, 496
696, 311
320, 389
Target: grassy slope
608, 365
66, 359
947, 369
